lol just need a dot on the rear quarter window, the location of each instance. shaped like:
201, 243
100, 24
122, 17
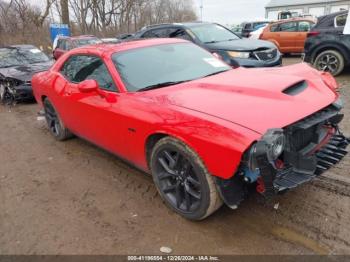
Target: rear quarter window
340, 20
156, 33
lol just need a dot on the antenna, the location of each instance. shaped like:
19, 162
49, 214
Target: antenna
201, 7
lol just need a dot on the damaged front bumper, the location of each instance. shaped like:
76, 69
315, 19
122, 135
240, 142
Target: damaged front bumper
310, 147
13, 90
274, 180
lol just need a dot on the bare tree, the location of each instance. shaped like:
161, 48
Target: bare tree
64, 11
20, 21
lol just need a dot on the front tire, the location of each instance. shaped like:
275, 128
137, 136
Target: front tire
54, 122
330, 61
182, 180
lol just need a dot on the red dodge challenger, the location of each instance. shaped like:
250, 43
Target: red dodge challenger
206, 132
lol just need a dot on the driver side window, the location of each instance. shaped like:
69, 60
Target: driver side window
289, 27
82, 67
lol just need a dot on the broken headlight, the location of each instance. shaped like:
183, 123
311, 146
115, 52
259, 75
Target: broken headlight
272, 144
275, 141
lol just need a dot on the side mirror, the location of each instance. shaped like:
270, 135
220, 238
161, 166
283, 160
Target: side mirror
88, 86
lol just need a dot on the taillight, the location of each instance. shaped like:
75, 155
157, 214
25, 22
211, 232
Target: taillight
314, 33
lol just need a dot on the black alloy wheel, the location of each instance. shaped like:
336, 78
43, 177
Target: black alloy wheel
52, 119
178, 180
54, 123
182, 180
330, 61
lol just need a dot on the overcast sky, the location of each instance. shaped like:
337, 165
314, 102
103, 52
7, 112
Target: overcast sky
231, 11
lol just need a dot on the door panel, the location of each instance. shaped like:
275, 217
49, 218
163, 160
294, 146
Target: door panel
286, 36
96, 119
94, 116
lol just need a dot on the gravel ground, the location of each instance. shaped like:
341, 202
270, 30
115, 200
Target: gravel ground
74, 198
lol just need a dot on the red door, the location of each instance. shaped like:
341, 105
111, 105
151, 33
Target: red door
94, 116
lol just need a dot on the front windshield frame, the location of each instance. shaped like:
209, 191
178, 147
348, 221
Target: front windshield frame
170, 76
14, 56
205, 39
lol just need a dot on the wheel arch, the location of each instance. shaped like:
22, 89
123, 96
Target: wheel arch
154, 137
150, 142
333, 46
222, 164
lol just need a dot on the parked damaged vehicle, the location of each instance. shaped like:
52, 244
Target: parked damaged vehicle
206, 132
65, 43
219, 40
327, 48
18, 63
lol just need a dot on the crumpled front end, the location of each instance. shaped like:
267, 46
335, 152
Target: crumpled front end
14, 90
286, 158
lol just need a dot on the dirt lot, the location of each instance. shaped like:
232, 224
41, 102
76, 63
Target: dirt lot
73, 198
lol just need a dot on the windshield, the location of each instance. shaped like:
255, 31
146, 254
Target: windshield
87, 41
33, 55
171, 63
19, 56
211, 33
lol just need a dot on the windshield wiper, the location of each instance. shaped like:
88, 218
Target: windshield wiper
160, 85
216, 73
211, 42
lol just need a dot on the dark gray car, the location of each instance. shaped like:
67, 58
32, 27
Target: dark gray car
18, 64
217, 39
326, 47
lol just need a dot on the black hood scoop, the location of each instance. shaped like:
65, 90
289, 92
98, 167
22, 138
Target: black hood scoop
296, 89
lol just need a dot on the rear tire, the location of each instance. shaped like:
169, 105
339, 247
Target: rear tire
182, 180
54, 122
330, 61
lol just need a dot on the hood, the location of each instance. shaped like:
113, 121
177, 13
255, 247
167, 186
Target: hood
241, 45
254, 98
25, 72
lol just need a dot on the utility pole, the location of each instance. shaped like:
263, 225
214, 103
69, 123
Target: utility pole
201, 7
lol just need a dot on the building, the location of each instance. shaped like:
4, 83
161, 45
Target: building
312, 7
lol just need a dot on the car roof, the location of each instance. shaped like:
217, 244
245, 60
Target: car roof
186, 24
256, 21
77, 37
327, 21
343, 12
294, 19
106, 48
18, 46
